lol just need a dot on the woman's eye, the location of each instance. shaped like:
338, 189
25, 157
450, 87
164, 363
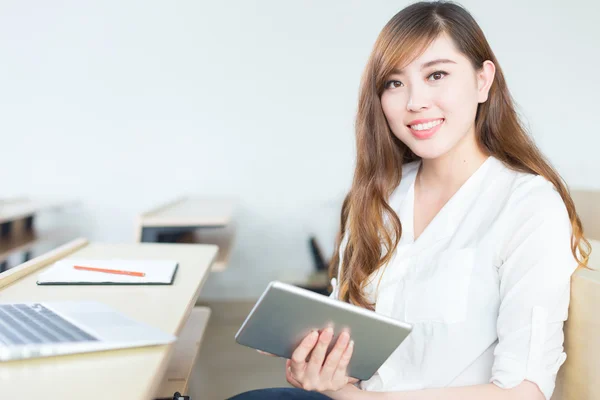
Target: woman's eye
393, 84
437, 75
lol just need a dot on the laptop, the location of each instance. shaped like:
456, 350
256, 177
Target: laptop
31, 330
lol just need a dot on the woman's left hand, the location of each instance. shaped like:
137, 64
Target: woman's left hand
318, 373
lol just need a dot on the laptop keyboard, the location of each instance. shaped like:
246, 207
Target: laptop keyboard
22, 324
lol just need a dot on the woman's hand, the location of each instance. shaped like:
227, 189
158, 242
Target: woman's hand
266, 354
318, 373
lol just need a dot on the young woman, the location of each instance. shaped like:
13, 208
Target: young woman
454, 223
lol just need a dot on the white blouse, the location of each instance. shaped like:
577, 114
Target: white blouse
485, 286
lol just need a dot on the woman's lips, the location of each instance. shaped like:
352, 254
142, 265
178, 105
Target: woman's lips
426, 133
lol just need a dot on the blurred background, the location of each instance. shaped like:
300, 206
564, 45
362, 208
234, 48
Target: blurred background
121, 106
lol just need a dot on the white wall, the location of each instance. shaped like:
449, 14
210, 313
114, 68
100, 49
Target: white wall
126, 104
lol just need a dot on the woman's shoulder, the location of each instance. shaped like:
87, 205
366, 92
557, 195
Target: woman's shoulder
531, 191
528, 199
533, 216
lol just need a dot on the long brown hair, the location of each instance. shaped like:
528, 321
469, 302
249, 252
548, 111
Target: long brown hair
369, 243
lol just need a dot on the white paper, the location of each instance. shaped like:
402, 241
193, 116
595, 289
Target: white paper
63, 271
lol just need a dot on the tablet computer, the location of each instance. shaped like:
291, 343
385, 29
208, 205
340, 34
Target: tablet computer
285, 314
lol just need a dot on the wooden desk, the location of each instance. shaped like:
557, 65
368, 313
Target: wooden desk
189, 211
12, 210
191, 220
121, 374
19, 241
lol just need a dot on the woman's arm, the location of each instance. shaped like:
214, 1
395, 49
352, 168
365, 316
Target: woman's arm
524, 391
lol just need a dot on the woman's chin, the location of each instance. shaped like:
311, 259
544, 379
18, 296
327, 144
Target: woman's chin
428, 152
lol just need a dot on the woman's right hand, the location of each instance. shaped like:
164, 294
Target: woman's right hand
267, 354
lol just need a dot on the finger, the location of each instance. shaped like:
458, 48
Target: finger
313, 368
298, 360
290, 377
333, 359
340, 375
266, 354
353, 380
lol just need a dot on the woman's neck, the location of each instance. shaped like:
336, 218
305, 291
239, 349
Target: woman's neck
450, 171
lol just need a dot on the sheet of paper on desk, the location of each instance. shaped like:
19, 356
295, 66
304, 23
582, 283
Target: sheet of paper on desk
63, 272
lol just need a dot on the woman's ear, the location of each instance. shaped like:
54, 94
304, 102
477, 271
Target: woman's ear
485, 77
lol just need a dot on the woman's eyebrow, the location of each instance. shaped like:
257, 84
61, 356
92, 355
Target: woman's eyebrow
428, 64
438, 61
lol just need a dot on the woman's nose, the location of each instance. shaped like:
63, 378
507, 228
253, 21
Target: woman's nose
417, 102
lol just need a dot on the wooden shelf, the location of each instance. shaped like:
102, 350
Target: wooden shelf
185, 354
12, 210
220, 236
36, 243
12, 245
189, 211
192, 220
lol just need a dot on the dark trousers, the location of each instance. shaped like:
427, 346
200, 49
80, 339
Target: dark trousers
280, 394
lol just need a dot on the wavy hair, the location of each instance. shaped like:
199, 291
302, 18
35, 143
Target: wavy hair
369, 242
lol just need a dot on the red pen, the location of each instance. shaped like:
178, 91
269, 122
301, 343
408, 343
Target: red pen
109, 271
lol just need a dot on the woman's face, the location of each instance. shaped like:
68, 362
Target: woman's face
431, 104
